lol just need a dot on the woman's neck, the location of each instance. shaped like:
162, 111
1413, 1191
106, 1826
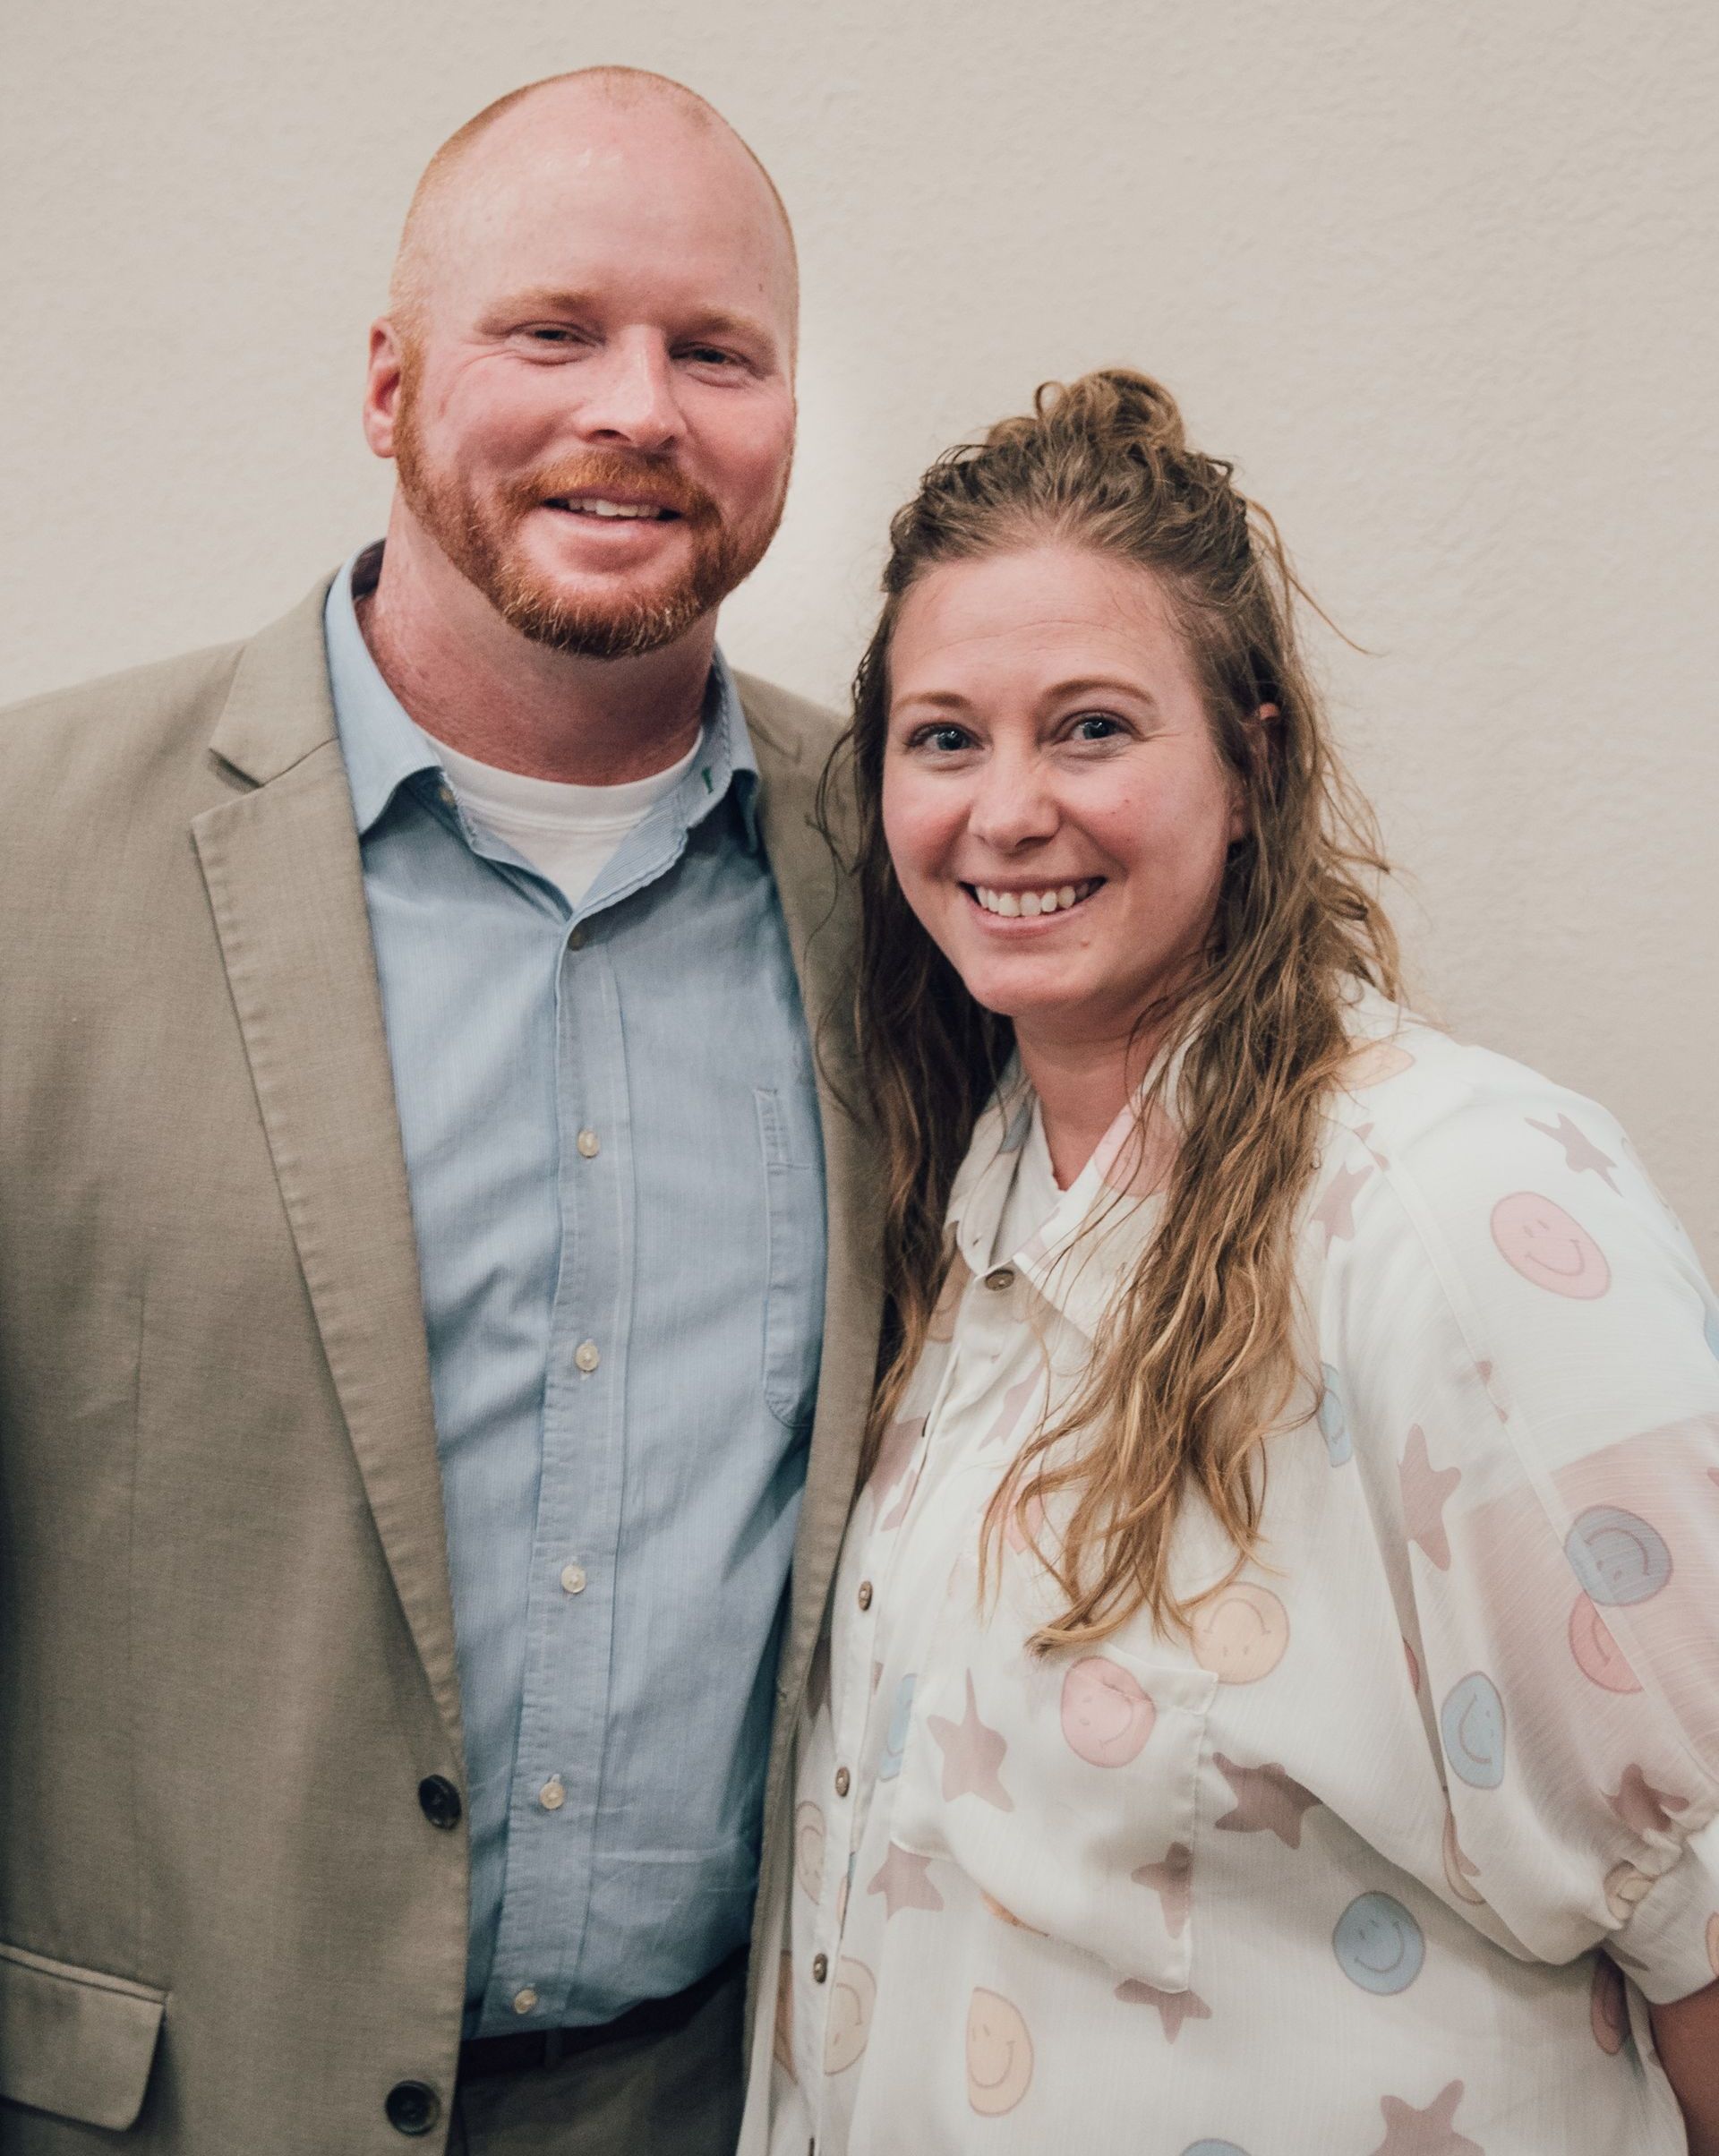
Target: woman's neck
1082, 1087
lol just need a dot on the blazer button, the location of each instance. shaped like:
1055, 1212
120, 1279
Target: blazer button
412, 2108
440, 1802
820, 1967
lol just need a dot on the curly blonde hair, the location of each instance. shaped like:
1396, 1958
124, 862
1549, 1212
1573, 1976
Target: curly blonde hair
1197, 1361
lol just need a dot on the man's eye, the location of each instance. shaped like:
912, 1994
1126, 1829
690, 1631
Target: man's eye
552, 333
708, 355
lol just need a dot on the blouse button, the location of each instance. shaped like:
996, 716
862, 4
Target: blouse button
865, 1595
1003, 1277
820, 1967
842, 1782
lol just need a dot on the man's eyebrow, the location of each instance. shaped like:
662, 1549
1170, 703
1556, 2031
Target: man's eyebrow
561, 300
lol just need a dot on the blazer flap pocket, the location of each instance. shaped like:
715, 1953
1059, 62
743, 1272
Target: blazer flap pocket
75, 2041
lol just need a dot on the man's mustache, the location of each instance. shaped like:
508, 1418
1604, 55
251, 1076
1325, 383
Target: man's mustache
635, 478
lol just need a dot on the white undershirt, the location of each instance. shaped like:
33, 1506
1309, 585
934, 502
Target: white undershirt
569, 833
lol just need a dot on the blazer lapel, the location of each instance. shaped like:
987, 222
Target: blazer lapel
281, 863
819, 903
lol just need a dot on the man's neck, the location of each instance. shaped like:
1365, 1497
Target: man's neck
473, 682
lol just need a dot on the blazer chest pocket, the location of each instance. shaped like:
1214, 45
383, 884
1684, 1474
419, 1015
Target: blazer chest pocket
1065, 1786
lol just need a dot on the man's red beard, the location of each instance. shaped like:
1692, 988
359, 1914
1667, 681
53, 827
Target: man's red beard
479, 535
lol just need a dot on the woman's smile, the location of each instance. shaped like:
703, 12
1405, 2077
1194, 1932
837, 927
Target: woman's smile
1036, 902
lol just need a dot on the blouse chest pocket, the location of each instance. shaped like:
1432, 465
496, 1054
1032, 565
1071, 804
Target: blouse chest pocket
1064, 1786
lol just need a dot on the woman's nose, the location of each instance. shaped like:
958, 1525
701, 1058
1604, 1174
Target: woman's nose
1012, 806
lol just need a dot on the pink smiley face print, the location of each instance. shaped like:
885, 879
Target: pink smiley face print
1597, 1653
1107, 1717
1548, 1248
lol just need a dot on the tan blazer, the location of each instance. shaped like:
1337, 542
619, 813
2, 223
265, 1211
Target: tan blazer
227, 1640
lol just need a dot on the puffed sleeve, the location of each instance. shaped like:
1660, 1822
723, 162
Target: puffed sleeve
1525, 1335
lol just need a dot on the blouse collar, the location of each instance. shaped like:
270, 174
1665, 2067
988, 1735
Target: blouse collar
1080, 1259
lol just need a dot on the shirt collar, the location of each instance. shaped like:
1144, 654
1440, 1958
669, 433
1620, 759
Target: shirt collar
1080, 1259
384, 748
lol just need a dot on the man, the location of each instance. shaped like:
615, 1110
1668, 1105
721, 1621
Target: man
414, 1246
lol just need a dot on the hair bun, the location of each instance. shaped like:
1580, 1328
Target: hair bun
1117, 407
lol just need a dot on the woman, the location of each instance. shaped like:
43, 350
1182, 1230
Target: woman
1272, 1697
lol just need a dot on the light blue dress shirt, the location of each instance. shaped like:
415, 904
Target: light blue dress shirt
613, 1144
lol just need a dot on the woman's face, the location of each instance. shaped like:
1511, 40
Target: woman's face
1054, 802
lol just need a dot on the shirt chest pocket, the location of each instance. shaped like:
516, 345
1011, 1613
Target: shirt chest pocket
1064, 1786
793, 1310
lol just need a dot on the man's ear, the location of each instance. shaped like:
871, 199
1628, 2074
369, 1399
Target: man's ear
382, 379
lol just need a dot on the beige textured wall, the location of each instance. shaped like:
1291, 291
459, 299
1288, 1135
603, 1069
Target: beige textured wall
1440, 278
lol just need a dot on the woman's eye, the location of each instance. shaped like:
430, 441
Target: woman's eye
942, 740
1095, 726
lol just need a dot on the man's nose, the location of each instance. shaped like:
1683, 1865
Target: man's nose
1012, 806
629, 400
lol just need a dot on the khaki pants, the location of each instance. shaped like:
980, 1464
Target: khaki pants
676, 2092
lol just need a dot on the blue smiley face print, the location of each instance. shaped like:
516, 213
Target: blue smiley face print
1378, 1945
895, 1736
1333, 1419
1471, 1723
1618, 1557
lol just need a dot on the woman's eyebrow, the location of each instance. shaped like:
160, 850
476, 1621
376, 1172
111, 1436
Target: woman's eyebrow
1086, 685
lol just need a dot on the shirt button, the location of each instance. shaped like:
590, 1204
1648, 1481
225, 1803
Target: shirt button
589, 1144
1003, 1277
842, 1782
586, 1356
552, 1795
864, 1596
573, 1578
445, 794
820, 1967
524, 2000
575, 940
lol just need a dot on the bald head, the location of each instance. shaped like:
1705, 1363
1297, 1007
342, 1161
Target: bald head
585, 376
584, 122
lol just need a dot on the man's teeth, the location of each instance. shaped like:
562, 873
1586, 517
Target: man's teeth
1058, 898
594, 505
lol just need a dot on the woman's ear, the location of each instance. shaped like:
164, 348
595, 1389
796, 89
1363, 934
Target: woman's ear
1253, 726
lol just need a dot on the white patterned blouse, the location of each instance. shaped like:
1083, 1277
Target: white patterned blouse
1333, 1874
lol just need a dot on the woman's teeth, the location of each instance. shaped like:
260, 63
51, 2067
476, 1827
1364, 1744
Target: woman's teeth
1058, 898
